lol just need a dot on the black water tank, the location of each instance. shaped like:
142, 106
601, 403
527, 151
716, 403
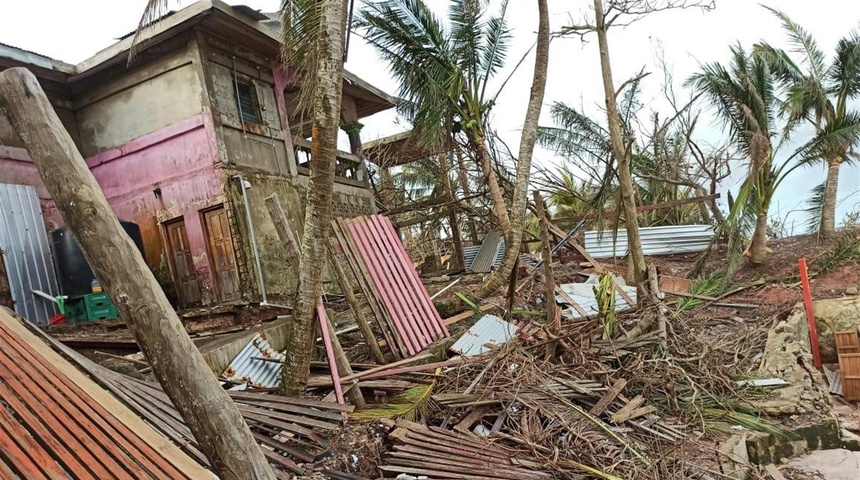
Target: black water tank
73, 271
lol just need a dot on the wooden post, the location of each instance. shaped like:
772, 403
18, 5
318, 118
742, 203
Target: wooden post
346, 288
294, 254
186, 378
552, 313
282, 227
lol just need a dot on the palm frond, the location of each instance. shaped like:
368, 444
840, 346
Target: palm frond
844, 73
803, 43
411, 404
494, 50
815, 208
412, 40
152, 12
302, 22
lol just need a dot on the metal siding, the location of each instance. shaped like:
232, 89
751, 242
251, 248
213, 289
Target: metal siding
583, 295
397, 283
666, 240
470, 252
26, 252
488, 254
489, 329
259, 373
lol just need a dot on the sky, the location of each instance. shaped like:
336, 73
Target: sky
74, 31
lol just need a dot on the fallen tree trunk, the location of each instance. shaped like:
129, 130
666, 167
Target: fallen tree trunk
186, 378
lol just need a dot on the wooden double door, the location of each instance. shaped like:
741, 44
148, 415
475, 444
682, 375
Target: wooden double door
222, 258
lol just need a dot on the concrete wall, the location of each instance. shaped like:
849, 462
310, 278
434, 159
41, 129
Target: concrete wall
262, 155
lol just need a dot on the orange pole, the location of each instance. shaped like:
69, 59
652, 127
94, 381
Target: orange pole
810, 313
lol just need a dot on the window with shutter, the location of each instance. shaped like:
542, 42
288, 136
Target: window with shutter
246, 102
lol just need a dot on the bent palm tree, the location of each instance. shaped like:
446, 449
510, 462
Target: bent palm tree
743, 96
819, 94
444, 70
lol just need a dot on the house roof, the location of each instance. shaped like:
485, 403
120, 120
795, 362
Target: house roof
57, 423
398, 149
212, 13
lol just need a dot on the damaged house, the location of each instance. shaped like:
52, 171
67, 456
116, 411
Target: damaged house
189, 139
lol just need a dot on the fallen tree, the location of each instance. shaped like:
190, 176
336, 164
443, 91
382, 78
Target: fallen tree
177, 364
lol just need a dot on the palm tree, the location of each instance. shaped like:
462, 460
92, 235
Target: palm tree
313, 42
818, 93
743, 96
444, 69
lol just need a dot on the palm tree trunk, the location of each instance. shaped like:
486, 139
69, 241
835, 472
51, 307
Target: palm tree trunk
619, 151
500, 210
326, 122
453, 216
758, 249
828, 209
524, 161
463, 178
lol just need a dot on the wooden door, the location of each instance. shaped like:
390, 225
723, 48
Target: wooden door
5, 288
222, 255
182, 264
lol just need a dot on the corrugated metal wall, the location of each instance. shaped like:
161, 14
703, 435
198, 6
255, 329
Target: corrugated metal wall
655, 240
26, 252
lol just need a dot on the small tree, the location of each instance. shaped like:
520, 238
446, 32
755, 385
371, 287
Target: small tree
606, 15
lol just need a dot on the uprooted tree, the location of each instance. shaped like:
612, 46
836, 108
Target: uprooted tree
177, 364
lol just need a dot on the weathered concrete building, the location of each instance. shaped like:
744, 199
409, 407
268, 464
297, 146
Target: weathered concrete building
190, 138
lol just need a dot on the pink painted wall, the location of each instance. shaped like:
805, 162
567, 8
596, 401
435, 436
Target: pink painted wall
180, 159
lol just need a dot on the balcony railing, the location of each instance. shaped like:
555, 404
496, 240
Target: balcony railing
349, 168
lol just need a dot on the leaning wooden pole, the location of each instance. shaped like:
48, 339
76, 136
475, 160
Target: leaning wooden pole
192, 387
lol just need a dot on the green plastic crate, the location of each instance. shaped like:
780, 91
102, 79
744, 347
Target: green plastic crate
91, 308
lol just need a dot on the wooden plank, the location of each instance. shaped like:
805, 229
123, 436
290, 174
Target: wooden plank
474, 416
285, 407
18, 448
774, 472
346, 288
608, 397
279, 445
305, 402
627, 410
466, 315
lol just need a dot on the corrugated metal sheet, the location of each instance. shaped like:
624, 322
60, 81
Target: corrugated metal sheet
666, 240
396, 282
490, 329
583, 295
471, 251
246, 367
486, 257
26, 252
53, 426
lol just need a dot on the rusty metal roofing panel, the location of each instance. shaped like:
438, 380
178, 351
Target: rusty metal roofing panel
24, 242
248, 367
51, 427
487, 254
490, 329
666, 240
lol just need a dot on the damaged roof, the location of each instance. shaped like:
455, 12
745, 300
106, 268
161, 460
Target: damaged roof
57, 423
213, 13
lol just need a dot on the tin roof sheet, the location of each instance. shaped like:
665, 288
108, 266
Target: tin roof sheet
583, 294
248, 368
490, 329
665, 240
